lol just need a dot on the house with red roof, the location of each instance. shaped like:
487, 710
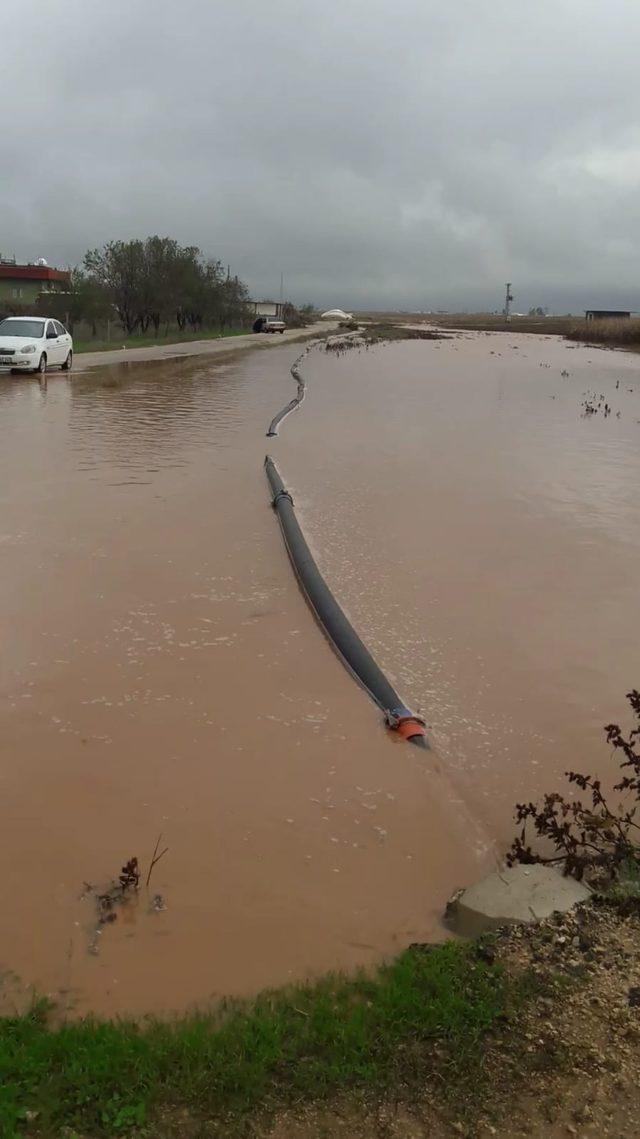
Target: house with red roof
25, 283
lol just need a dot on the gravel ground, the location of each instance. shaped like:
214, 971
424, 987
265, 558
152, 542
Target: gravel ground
570, 1067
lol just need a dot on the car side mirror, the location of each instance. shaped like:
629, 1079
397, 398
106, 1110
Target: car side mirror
52, 334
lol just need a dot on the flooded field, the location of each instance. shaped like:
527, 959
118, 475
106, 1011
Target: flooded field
478, 512
162, 674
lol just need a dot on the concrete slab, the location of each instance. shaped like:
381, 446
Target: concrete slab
518, 894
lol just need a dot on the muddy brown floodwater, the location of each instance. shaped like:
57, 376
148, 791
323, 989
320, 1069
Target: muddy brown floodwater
161, 672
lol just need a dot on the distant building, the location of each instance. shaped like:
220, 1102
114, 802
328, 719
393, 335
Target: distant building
25, 283
607, 314
268, 308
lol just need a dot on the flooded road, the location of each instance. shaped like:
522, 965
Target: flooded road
162, 674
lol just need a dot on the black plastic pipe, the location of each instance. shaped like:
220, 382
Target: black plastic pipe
302, 388
355, 655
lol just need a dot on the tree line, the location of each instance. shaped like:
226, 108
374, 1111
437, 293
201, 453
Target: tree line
151, 284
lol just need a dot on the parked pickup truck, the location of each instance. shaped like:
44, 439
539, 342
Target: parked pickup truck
269, 324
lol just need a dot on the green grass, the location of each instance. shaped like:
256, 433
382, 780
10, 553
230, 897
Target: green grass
173, 337
367, 1034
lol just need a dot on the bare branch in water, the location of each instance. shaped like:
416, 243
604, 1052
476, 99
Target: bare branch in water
156, 857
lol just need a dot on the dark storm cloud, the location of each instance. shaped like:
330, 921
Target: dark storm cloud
412, 153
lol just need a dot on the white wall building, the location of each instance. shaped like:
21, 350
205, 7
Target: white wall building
268, 308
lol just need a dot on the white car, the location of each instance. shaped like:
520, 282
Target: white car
34, 343
273, 324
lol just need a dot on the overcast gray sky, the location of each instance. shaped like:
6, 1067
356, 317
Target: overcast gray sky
407, 153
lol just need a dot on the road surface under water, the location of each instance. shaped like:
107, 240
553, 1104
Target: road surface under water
162, 674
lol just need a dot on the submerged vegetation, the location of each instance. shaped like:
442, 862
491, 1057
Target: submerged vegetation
354, 335
384, 330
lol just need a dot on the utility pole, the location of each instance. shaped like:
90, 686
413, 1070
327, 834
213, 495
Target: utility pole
507, 303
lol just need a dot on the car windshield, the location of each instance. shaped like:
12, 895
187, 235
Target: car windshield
24, 328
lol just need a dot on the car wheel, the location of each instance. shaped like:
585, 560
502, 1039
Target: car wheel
42, 363
282, 331
66, 367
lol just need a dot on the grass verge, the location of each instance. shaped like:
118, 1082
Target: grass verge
424, 1016
174, 337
